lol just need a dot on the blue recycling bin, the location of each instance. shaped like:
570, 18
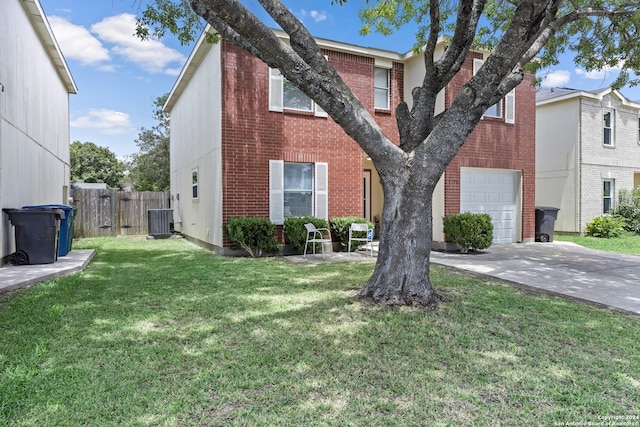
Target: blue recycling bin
66, 226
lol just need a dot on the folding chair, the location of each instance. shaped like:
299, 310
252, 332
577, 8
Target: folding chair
316, 235
358, 229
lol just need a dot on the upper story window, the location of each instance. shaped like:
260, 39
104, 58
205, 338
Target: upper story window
608, 127
496, 109
607, 195
638, 130
381, 84
194, 183
285, 95
294, 98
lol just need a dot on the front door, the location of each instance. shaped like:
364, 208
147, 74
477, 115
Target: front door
367, 195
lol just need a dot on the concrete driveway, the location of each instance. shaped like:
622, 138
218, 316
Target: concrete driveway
560, 267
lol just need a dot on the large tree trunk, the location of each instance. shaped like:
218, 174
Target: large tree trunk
401, 275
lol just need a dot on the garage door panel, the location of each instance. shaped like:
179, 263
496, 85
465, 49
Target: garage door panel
495, 193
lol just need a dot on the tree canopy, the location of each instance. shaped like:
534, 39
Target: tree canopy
95, 164
525, 34
149, 168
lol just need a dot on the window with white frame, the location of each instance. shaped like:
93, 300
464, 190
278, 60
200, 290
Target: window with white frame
609, 121
639, 130
607, 195
496, 109
285, 95
297, 189
194, 183
381, 84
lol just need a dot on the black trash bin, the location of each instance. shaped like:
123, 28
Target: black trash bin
545, 222
65, 236
36, 233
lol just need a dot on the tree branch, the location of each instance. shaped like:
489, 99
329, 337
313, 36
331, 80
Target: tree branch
440, 72
316, 78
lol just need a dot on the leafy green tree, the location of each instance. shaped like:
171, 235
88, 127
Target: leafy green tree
92, 163
601, 33
149, 168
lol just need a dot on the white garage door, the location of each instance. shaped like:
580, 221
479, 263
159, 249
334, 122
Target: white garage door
495, 193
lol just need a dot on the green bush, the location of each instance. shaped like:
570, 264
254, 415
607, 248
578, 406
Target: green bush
629, 209
295, 234
253, 234
340, 228
469, 230
606, 227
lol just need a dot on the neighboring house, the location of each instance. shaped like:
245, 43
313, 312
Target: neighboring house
587, 150
245, 142
35, 84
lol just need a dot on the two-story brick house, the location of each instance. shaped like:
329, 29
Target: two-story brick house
244, 141
588, 149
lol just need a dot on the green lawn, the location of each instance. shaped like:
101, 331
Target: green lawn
163, 333
627, 244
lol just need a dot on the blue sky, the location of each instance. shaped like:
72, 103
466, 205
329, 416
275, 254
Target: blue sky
119, 76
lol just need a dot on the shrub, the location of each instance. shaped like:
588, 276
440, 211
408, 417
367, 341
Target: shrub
340, 228
606, 227
295, 234
255, 235
469, 230
629, 209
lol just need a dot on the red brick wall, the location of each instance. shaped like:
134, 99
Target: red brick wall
495, 144
252, 135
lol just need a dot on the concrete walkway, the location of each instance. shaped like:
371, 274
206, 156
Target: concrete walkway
20, 276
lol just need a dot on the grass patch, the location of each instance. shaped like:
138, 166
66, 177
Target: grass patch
163, 333
628, 243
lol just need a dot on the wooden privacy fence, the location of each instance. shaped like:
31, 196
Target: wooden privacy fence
112, 212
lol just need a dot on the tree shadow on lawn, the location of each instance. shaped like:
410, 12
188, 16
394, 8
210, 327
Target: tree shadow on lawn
190, 338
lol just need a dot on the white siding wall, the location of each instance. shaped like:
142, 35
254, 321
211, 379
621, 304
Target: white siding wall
34, 120
618, 162
196, 136
557, 161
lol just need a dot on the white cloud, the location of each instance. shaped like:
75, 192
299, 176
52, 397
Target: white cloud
318, 16
592, 75
77, 43
556, 78
173, 71
108, 122
314, 14
150, 55
602, 74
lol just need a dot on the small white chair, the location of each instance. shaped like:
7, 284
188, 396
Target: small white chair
360, 228
316, 235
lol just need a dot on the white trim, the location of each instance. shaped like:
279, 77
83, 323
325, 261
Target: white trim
41, 24
321, 178
612, 127
195, 185
510, 107
276, 90
276, 191
386, 88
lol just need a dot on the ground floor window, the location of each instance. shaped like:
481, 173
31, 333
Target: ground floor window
194, 183
297, 189
607, 195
